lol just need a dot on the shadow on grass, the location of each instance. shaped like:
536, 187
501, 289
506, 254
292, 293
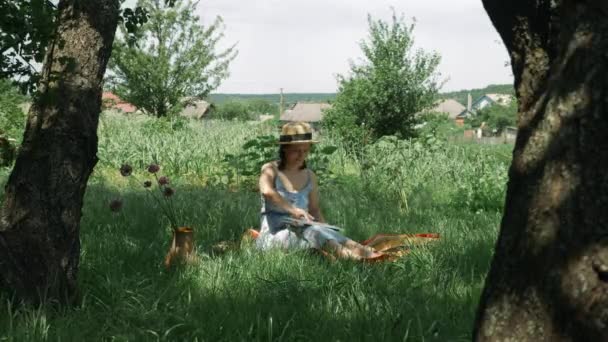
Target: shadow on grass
430, 295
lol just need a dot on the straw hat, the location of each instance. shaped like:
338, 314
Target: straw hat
296, 133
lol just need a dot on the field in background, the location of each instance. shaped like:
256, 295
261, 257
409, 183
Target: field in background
460, 95
424, 185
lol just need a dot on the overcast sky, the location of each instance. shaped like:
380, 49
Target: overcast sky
300, 45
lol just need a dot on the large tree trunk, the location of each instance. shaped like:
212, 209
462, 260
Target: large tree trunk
549, 276
40, 218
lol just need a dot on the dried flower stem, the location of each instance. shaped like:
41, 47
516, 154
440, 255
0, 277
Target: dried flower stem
171, 210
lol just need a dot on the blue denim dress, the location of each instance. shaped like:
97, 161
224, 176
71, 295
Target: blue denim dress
276, 231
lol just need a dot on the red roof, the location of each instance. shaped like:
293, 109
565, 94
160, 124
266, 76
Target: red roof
110, 100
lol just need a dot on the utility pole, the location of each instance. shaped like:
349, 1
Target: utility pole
281, 105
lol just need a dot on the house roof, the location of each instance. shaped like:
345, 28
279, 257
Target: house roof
465, 113
501, 99
305, 111
106, 95
111, 100
449, 106
196, 109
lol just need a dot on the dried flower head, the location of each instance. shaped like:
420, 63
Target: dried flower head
168, 192
115, 205
163, 180
147, 184
126, 170
153, 168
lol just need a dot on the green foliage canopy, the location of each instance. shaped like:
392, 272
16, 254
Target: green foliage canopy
174, 57
26, 29
383, 94
496, 116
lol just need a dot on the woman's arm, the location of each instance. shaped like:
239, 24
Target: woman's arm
313, 200
268, 191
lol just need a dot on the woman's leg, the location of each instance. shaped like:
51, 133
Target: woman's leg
360, 250
337, 244
350, 250
339, 250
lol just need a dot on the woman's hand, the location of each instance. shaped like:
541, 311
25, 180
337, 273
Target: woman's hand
302, 214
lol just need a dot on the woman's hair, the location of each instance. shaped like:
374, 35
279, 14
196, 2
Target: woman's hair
282, 158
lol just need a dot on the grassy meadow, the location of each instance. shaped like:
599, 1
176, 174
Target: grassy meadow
426, 185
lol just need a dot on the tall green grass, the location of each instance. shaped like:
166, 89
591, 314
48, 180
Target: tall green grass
246, 295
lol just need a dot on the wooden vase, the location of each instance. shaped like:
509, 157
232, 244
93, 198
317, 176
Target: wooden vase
182, 247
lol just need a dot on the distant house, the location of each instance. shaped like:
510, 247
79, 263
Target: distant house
305, 111
110, 100
450, 107
481, 103
196, 109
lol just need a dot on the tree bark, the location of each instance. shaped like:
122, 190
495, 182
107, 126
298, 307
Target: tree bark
549, 276
40, 217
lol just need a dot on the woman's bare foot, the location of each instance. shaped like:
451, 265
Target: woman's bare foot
368, 253
351, 250
340, 251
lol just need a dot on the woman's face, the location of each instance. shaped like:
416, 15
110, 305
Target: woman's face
296, 153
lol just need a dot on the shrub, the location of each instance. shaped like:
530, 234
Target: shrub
383, 94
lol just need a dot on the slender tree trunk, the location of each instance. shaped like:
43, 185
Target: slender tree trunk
40, 217
549, 276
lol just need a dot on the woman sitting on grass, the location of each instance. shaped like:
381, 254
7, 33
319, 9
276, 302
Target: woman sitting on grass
291, 216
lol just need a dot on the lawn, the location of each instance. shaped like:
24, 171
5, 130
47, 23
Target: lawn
424, 185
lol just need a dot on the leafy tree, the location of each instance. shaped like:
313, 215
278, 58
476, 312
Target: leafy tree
548, 279
382, 94
174, 57
27, 28
42, 203
41, 211
495, 116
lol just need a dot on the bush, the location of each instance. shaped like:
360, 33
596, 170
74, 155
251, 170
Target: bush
382, 96
496, 117
438, 126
